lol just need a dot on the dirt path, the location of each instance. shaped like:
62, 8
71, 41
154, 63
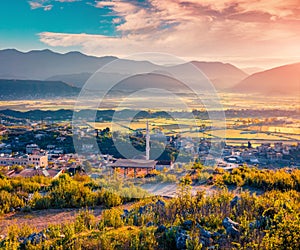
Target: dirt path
170, 189
43, 218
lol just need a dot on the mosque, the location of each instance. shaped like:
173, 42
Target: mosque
138, 163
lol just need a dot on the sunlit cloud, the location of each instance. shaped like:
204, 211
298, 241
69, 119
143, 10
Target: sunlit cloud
190, 28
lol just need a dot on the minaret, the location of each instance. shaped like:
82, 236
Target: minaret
147, 142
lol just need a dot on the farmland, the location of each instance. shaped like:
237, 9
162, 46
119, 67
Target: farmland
261, 125
227, 101
201, 128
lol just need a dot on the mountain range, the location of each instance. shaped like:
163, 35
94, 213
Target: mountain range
70, 71
75, 68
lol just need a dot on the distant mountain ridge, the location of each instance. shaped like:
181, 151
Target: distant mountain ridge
283, 80
72, 70
33, 89
42, 64
75, 68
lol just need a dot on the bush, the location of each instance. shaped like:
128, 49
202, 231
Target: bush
110, 199
40, 202
9, 201
111, 218
265, 179
85, 220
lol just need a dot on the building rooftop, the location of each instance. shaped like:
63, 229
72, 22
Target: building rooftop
30, 172
133, 163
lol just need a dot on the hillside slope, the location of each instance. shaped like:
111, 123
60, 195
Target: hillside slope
221, 75
280, 80
30, 89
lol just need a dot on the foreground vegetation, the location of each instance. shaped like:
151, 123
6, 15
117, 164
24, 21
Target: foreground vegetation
223, 220
281, 179
25, 194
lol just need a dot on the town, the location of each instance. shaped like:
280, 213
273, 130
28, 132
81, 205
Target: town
46, 148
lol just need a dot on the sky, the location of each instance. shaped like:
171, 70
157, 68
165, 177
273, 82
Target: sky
247, 33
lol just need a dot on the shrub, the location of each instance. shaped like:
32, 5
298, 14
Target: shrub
85, 220
111, 218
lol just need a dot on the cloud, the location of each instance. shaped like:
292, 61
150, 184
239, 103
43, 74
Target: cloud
192, 28
48, 7
40, 4
90, 43
35, 5
117, 20
117, 6
68, 1
46, 4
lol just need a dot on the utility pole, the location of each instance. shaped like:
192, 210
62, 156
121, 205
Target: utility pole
147, 142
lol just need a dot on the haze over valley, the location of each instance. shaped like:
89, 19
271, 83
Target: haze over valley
35, 71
